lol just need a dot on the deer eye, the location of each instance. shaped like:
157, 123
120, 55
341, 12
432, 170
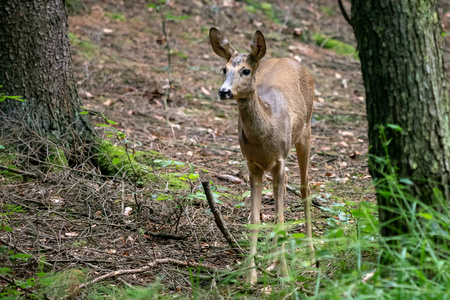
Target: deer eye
224, 71
246, 72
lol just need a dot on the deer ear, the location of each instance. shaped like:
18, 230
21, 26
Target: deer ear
258, 46
220, 44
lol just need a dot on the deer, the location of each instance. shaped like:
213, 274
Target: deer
275, 102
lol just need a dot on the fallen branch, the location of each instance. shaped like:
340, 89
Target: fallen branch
218, 218
344, 13
166, 236
20, 172
139, 270
298, 193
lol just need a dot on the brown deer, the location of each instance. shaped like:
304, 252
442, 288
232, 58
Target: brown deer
275, 100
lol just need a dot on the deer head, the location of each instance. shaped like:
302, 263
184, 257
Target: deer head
240, 70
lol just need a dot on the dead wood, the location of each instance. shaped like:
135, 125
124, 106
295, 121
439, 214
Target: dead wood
167, 236
20, 172
140, 270
218, 218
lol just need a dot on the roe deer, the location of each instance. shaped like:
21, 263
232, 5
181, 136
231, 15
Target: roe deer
275, 100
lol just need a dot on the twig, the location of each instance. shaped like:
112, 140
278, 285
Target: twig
218, 218
298, 193
139, 270
192, 227
166, 236
344, 13
20, 172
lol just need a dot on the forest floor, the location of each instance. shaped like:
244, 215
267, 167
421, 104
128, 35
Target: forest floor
121, 66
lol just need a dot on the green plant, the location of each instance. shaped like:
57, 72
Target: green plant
3, 97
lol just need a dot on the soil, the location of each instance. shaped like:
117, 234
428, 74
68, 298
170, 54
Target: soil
121, 65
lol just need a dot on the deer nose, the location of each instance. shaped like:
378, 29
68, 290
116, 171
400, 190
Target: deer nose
225, 94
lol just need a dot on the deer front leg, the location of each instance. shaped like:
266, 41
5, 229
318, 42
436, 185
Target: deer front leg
279, 191
256, 194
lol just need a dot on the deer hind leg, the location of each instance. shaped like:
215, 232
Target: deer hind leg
279, 191
303, 148
256, 195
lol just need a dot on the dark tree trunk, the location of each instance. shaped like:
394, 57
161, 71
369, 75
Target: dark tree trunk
400, 47
36, 64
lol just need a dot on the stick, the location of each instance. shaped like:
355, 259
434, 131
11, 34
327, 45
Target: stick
218, 218
344, 13
139, 270
298, 193
167, 236
20, 172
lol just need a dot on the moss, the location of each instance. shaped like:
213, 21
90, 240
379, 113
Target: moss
8, 160
266, 8
170, 180
114, 16
86, 48
338, 46
114, 160
57, 160
75, 7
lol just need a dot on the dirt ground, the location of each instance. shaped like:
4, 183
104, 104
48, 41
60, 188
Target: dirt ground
121, 66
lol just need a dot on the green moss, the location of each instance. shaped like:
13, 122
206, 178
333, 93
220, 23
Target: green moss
86, 48
338, 46
114, 160
254, 6
7, 160
328, 11
170, 180
115, 16
75, 7
57, 160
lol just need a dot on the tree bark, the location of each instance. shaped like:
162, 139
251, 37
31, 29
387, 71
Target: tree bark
400, 47
36, 64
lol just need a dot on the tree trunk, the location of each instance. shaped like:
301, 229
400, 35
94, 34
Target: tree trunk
36, 64
400, 47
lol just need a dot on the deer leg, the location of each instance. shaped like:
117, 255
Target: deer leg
279, 191
256, 194
303, 149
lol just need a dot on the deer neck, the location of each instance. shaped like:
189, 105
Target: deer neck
253, 119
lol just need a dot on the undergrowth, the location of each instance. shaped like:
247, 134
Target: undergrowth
349, 248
